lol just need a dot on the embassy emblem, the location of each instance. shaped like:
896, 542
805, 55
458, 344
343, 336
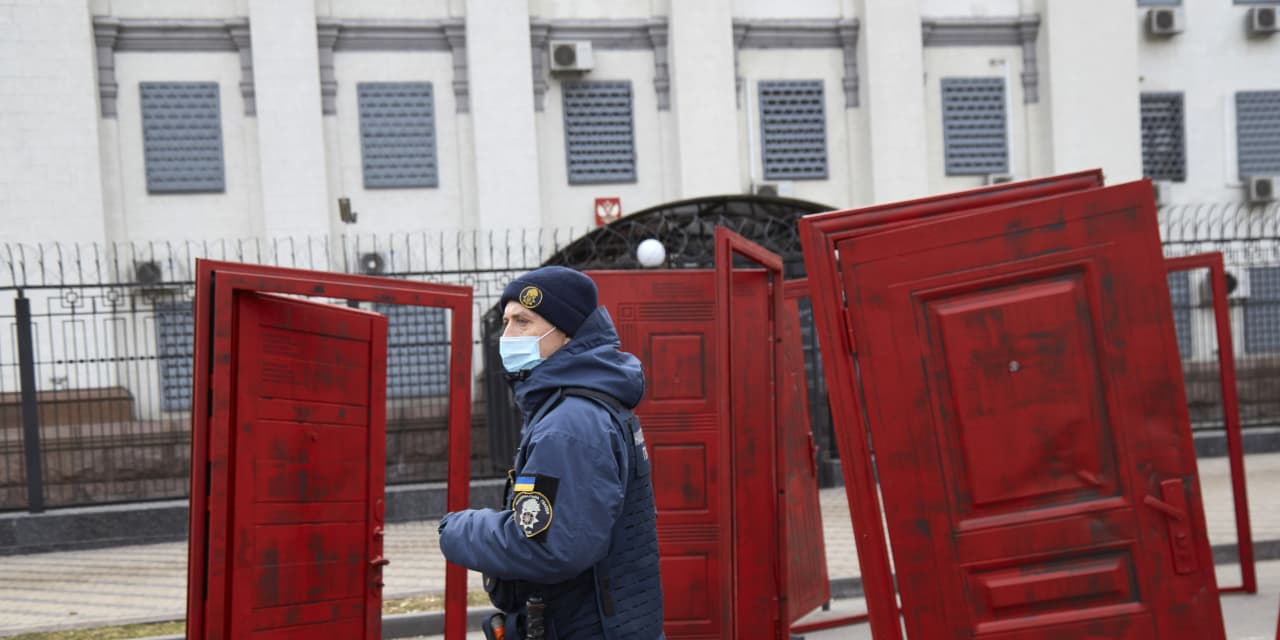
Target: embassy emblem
532, 512
531, 297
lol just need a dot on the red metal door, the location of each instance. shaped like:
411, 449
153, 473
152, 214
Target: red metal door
819, 234
277, 432
308, 470
668, 319
1018, 369
807, 585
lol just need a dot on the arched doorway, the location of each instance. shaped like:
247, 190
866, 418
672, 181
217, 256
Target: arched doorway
686, 229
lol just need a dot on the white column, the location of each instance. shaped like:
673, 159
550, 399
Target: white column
291, 148
892, 48
50, 161
500, 79
703, 101
1092, 88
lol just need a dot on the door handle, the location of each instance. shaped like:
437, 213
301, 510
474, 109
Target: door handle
379, 562
1164, 507
1173, 504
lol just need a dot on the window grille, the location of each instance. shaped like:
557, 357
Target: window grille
398, 134
1163, 143
793, 128
599, 132
182, 137
974, 126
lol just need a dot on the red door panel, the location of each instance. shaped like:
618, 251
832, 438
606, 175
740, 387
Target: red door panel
668, 319
308, 470
756, 503
819, 234
1023, 392
807, 584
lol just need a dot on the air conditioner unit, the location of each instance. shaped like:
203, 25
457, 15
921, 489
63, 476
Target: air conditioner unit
570, 55
372, 263
1164, 21
1237, 284
1261, 188
148, 272
781, 189
998, 178
1237, 287
1163, 192
1262, 20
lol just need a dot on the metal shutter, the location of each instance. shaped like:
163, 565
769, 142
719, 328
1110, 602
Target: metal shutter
1163, 146
598, 132
1258, 133
1262, 311
398, 134
973, 126
417, 351
793, 127
182, 137
175, 339
1180, 296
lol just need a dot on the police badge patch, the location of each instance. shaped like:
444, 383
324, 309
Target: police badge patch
532, 512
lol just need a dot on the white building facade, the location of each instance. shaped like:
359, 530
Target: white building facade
137, 120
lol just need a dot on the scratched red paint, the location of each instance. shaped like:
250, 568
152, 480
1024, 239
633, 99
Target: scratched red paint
720, 431
287, 507
1024, 394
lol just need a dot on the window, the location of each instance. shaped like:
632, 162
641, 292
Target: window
398, 134
1262, 311
182, 137
417, 350
793, 128
1180, 296
973, 126
598, 132
1163, 146
1258, 133
175, 339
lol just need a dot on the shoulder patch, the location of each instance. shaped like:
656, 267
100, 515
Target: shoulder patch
532, 512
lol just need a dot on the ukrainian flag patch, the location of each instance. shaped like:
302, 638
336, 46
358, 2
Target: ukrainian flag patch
524, 483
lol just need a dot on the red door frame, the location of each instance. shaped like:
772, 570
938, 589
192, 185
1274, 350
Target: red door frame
1230, 408
728, 244
217, 284
819, 234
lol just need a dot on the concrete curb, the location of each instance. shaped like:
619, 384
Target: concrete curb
100, 527
151, 522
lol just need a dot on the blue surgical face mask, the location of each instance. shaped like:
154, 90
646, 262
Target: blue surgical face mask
521, 353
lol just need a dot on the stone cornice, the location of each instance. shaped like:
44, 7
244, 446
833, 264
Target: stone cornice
1019, 31
802, 34
112, 35
336, 35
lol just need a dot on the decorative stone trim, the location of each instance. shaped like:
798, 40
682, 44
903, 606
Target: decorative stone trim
1019, 31
112, 35
801, 34
605, 35
391, 35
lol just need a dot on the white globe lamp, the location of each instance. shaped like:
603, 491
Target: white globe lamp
651, 253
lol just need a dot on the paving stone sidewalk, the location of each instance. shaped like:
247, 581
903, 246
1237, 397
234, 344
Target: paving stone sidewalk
148, 582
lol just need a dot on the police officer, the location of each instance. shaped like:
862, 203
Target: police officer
578, 528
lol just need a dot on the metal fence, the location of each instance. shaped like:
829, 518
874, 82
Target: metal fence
100, 338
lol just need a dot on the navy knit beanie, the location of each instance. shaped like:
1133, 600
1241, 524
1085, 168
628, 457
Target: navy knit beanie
561, 295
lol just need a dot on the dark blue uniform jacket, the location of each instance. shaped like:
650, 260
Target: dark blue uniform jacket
578, 451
